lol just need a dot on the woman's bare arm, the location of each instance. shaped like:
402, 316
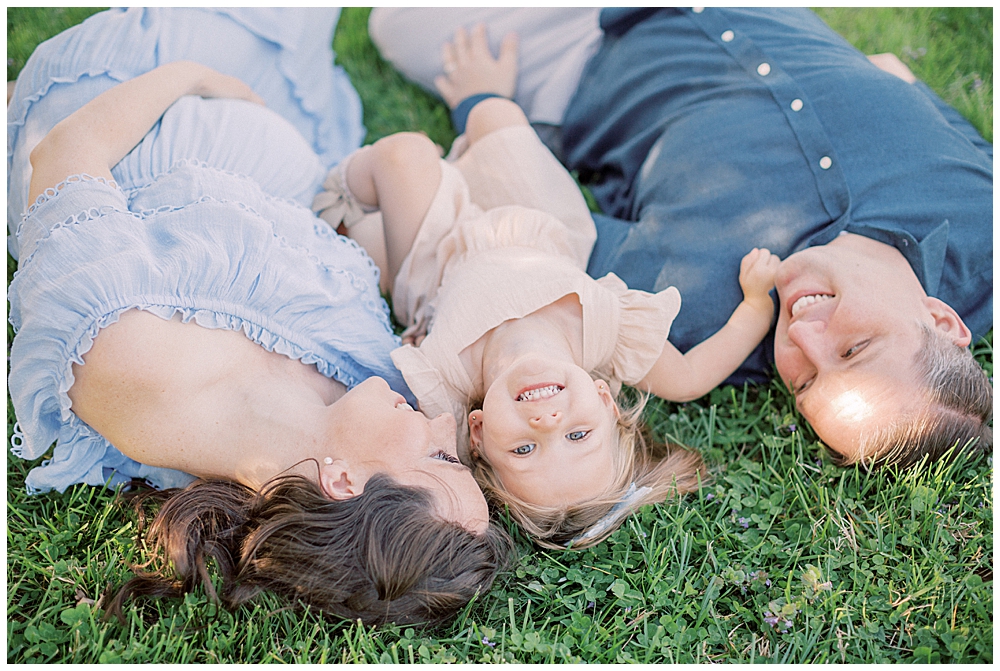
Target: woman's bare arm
685, 377
97, 136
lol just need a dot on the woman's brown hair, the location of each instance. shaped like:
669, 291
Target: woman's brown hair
382, 556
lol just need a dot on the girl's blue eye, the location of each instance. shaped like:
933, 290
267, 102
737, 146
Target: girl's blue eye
577, 435
524, 449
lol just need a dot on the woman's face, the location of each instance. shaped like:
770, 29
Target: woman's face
382, 434
546, 430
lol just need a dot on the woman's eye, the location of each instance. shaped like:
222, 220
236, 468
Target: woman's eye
577, 435
444, 456
524, 449
802, 387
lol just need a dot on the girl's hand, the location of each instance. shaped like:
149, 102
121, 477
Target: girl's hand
757, 271
469, 67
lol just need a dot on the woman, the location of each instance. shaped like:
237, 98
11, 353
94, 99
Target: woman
150, 245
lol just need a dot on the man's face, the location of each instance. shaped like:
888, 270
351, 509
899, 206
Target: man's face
848, 333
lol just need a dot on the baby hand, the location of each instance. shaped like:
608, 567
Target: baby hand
757, 271
470, 68
414, 340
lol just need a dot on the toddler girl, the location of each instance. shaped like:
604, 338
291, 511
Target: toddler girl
485, 255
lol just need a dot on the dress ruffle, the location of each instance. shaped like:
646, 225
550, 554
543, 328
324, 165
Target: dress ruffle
258, 264
644, 321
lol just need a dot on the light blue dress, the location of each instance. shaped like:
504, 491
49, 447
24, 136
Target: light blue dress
208, 218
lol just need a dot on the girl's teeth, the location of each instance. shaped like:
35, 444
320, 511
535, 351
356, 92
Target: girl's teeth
540, 393
808, 300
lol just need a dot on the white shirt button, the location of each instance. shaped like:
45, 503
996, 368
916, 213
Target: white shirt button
796, 105
825, 162
763, 69
697, 10
728, 36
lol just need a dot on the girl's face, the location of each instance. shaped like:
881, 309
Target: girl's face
546, 429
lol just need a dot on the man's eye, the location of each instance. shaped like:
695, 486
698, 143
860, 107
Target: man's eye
524, 449
577, 435
854, 350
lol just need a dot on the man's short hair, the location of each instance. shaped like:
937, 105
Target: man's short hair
957, 412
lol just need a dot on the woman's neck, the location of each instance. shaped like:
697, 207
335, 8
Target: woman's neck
283, 433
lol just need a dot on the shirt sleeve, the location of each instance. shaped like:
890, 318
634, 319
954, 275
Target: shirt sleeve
643, 326
956, 120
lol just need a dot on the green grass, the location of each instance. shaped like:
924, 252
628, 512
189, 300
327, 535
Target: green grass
783, 557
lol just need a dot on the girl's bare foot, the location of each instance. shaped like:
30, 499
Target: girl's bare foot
470, 68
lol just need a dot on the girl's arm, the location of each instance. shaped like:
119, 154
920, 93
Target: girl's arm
97, 136
685, 377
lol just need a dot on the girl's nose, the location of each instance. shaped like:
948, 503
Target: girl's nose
545, 420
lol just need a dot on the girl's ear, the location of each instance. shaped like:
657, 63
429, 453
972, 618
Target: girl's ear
340, 482
947, 321
604, 391
475, 431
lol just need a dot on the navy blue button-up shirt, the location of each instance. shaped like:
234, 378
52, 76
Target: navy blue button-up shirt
707, 133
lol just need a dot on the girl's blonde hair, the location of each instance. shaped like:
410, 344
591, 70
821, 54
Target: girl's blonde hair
658, 471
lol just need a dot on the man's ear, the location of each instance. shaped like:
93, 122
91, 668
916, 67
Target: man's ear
947, 321
340, 482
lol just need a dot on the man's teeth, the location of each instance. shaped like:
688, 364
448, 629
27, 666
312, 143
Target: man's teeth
540, 393
808, 300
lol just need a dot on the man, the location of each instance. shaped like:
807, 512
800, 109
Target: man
706, 132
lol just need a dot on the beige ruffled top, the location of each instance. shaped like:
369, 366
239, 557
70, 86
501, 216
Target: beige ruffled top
473, 267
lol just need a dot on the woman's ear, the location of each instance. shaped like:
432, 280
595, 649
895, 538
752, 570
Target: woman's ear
340, 482
947, 321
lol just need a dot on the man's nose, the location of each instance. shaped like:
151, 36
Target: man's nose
545, 420
810, 337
